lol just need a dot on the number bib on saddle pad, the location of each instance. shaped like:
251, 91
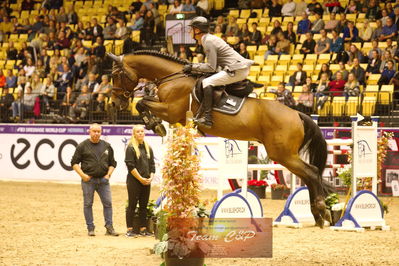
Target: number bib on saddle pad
226, 99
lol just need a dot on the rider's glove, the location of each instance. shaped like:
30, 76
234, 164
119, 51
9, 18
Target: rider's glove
187, 68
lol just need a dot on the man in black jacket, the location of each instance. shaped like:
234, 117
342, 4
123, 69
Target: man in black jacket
97, 162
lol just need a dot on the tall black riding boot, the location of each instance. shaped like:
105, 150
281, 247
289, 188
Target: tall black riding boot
206, 120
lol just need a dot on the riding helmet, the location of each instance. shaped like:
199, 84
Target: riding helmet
200, 23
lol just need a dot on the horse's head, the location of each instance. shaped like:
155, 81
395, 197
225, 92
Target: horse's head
124, 82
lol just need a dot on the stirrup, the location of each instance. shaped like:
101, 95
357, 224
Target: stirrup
203, 122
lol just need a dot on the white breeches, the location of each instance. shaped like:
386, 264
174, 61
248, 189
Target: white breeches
223, 78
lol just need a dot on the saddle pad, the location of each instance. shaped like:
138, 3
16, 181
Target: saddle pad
228, 104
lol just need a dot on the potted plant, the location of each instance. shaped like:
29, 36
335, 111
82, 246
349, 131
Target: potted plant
181, 186
278, 190
336, 208
259, 187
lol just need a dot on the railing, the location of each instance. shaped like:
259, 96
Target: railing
55, 110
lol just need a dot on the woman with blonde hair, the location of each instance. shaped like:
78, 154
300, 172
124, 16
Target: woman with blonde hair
351, 86
140, 163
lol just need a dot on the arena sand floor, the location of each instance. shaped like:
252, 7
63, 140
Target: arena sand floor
43, 224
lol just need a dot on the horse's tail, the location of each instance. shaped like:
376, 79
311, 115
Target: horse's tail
316, 146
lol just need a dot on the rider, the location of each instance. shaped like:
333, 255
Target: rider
227, 65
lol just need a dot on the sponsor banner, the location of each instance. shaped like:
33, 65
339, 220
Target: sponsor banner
220, 238
44, 152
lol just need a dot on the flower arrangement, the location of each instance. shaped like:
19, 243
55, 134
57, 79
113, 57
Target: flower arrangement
345, 173
382, 143
257, 183
276, 186
331, 200
181, 186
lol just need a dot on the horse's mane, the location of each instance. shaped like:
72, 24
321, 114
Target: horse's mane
162, 55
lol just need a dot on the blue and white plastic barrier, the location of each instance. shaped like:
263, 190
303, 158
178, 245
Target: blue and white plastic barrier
296, 210
363, 211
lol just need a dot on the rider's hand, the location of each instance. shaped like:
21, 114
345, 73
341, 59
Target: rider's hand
187, 68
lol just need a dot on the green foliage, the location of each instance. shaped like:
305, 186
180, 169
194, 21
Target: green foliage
331, 200
345, 175
384, 206
162, 219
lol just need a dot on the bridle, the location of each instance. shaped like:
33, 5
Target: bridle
119, 70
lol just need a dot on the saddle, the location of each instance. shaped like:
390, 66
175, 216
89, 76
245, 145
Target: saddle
227, 99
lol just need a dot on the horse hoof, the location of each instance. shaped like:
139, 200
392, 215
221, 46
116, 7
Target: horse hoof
160, 130
327, 216
320, 222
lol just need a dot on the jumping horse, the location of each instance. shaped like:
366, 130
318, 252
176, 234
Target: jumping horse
284, 132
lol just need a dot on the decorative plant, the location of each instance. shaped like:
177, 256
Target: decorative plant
201, 210
278, 186
331, 200
181, 186
255, 160
151, 208
257, 183
382, 143
384, 206
345, 174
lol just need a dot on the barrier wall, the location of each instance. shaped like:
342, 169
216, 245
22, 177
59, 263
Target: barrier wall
44, 152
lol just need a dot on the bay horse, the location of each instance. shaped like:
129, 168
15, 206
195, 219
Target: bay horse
284, 132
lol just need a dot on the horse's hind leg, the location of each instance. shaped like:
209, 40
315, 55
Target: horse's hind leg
309, 175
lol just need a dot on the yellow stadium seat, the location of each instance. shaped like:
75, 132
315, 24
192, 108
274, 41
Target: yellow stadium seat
250, 21
280, 69
219, 4
297, 58
373, 88
252, 78
262, 49
254, 70
133, 106
251, 50
108, 45
384, 97
292, 69
118, 47
136, 36
234, 13
268, 96
264, 79
324, 58
258, 11
308, 68
259, 59
232, 40
87, 44
241, 21
271, 60
352, 106
325, 111
284, 59
373, 79
338, 105
267, 70
310, 59
276, 80
368, 105
245, 13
